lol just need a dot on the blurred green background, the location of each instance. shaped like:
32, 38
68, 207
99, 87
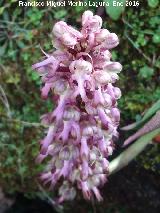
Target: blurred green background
22, 31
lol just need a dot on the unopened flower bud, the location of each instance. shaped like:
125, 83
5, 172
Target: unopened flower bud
59, 29
102, 35
105, 164
85, 190
97, 194
74, 152
116, 114
68, 39
86, 16
60, 86
84, 148
113, 67
81, 66
96, 22
98, 169
64, 188
74, 175
107, 100
85, 170
102, 77
64, 153
111, 41
91, 23
117, 92
71, 194
92, 156
71, 114
59, 163
94, 180
114, 77
46, 175
56, 148
89, 130
109, 150
107, 55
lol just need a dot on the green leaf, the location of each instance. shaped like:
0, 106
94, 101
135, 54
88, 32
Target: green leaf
150, 112
131, 153
157, 63
146, 72
156, 39
34, 76
79, 9
3, 49
29, 35
148, 31
20, 44
60, 14
153, 3
141, 40
114, 55
6, 16
155, 20
13, 79
1, 10
115, 11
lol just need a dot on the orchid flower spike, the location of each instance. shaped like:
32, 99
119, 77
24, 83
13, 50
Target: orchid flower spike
78, 77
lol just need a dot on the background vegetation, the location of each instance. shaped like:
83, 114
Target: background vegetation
22, 31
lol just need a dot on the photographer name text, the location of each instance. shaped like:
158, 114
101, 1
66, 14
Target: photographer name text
78, 3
